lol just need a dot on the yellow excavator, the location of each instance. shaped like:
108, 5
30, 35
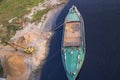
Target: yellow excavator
28, 50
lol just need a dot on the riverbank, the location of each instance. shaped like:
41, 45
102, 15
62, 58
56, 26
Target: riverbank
35, 34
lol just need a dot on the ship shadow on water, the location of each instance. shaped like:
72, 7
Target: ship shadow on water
53, 67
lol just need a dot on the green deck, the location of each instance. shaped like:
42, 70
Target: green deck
73, 59
73, 56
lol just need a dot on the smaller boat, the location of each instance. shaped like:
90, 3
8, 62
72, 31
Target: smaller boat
73, 49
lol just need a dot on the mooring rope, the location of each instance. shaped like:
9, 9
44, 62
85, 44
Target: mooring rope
59, 26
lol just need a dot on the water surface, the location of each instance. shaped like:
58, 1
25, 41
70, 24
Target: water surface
102, 29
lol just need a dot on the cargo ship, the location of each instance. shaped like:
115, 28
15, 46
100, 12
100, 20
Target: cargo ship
73, 43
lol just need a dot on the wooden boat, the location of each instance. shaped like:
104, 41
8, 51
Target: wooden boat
73, 49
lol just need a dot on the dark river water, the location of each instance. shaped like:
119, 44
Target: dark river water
102, 32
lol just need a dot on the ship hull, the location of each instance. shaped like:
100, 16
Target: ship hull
73, 49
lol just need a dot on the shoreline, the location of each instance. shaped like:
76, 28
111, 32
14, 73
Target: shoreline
52, 16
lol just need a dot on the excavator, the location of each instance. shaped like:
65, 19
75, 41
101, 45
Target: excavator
28, 50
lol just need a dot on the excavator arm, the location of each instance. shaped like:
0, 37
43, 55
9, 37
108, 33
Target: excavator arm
28, 50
